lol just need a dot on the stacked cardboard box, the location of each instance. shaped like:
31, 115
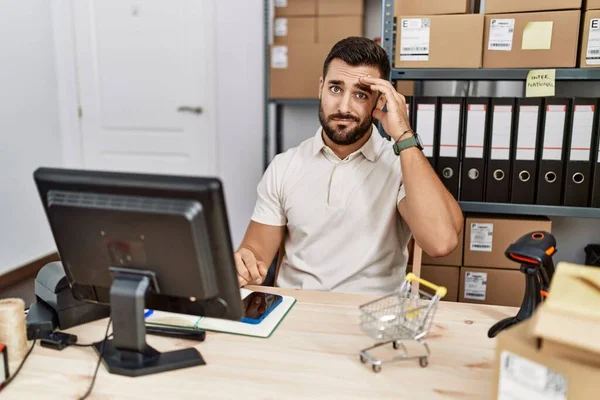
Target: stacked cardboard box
589, 51
530, 34
477, 271
303, 33
438, 34
487, 275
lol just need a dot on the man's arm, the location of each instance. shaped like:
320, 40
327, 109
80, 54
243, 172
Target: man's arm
433, 215
257, 251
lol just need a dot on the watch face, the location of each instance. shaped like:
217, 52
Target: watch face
418, 140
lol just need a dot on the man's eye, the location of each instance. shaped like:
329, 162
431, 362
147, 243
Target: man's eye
361, 96
335, 89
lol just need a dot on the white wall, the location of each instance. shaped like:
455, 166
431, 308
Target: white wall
240, 104
29, 133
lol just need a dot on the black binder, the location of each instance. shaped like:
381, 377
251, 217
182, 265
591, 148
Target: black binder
473, 151
580, 156
497, 186
553, 134
595, 200
425, 124
450, 128
525, 150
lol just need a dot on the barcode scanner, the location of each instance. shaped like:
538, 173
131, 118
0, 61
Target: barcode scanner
534, 252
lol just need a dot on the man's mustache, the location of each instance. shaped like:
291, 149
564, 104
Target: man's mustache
343, 116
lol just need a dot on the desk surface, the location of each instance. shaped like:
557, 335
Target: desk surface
314, 353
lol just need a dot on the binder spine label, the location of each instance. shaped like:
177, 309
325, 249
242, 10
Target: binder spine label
475, 131
581, 136
449, 130
554, 130
501, 133
425, 126
526, 140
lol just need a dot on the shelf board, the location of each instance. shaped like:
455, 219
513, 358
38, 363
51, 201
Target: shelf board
509, 74
296, 102
529, 209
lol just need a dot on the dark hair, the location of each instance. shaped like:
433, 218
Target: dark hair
357, 51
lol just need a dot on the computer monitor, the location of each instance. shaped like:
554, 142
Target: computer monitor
143, 241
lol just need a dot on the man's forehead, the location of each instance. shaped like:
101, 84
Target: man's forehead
339, 70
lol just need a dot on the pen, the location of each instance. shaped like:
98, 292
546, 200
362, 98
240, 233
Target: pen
176, 333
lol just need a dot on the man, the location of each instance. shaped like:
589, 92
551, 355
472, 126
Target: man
345, 202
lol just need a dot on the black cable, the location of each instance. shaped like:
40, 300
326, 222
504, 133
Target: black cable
99, 361
88, 344
9, 380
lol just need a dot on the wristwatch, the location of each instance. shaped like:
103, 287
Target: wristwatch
413, 141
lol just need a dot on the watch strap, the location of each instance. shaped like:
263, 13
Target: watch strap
405, 144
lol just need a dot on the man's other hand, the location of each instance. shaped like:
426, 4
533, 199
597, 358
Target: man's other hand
250, 271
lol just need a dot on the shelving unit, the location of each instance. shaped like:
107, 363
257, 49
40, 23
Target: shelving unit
388, 37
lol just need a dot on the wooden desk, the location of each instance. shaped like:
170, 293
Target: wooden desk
314, 353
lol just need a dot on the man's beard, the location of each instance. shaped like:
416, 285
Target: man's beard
344, 136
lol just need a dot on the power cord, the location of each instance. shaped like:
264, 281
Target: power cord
9, 380
89, 391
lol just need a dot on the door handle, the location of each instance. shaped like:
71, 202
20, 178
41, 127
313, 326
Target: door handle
195, 110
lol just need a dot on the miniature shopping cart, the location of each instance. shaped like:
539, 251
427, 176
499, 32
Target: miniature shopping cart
398, 318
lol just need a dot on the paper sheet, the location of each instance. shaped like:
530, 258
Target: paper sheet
540, 83
537, 35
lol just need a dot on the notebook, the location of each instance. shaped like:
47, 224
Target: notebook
264, 329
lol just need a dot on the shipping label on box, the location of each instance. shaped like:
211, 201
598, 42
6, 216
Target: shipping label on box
521, 378
415, 34
281, 27
592, 56
501, 34
279, 57
482, 236
475, 285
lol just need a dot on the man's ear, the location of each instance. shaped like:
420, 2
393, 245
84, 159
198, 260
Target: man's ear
381, 101
320, 87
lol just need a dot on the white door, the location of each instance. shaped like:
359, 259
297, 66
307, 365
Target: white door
146, 87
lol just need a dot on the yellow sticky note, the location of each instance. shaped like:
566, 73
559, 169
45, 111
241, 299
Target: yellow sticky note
540, 83
537, 35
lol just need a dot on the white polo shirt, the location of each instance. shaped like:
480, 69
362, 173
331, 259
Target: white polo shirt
344, 231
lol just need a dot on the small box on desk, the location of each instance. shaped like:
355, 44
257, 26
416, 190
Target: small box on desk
499, 287
531, 40
524, 369
432, 7
440, 275
488, 237
439, 41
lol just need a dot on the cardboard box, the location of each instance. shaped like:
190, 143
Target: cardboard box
330, 30
340, 7
439, 41
294, 30
592, 4
569, 320
405, 88
453, 259
514, 6
431, 7
448, 277
589, 51
531, 40
499, 287
296, 69
295, 8
522, 369
488, 237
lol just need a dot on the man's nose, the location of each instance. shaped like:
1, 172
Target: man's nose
345, 102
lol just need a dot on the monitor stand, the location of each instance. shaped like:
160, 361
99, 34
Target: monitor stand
128, 353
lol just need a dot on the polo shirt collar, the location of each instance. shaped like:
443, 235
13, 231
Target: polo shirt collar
370, 150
